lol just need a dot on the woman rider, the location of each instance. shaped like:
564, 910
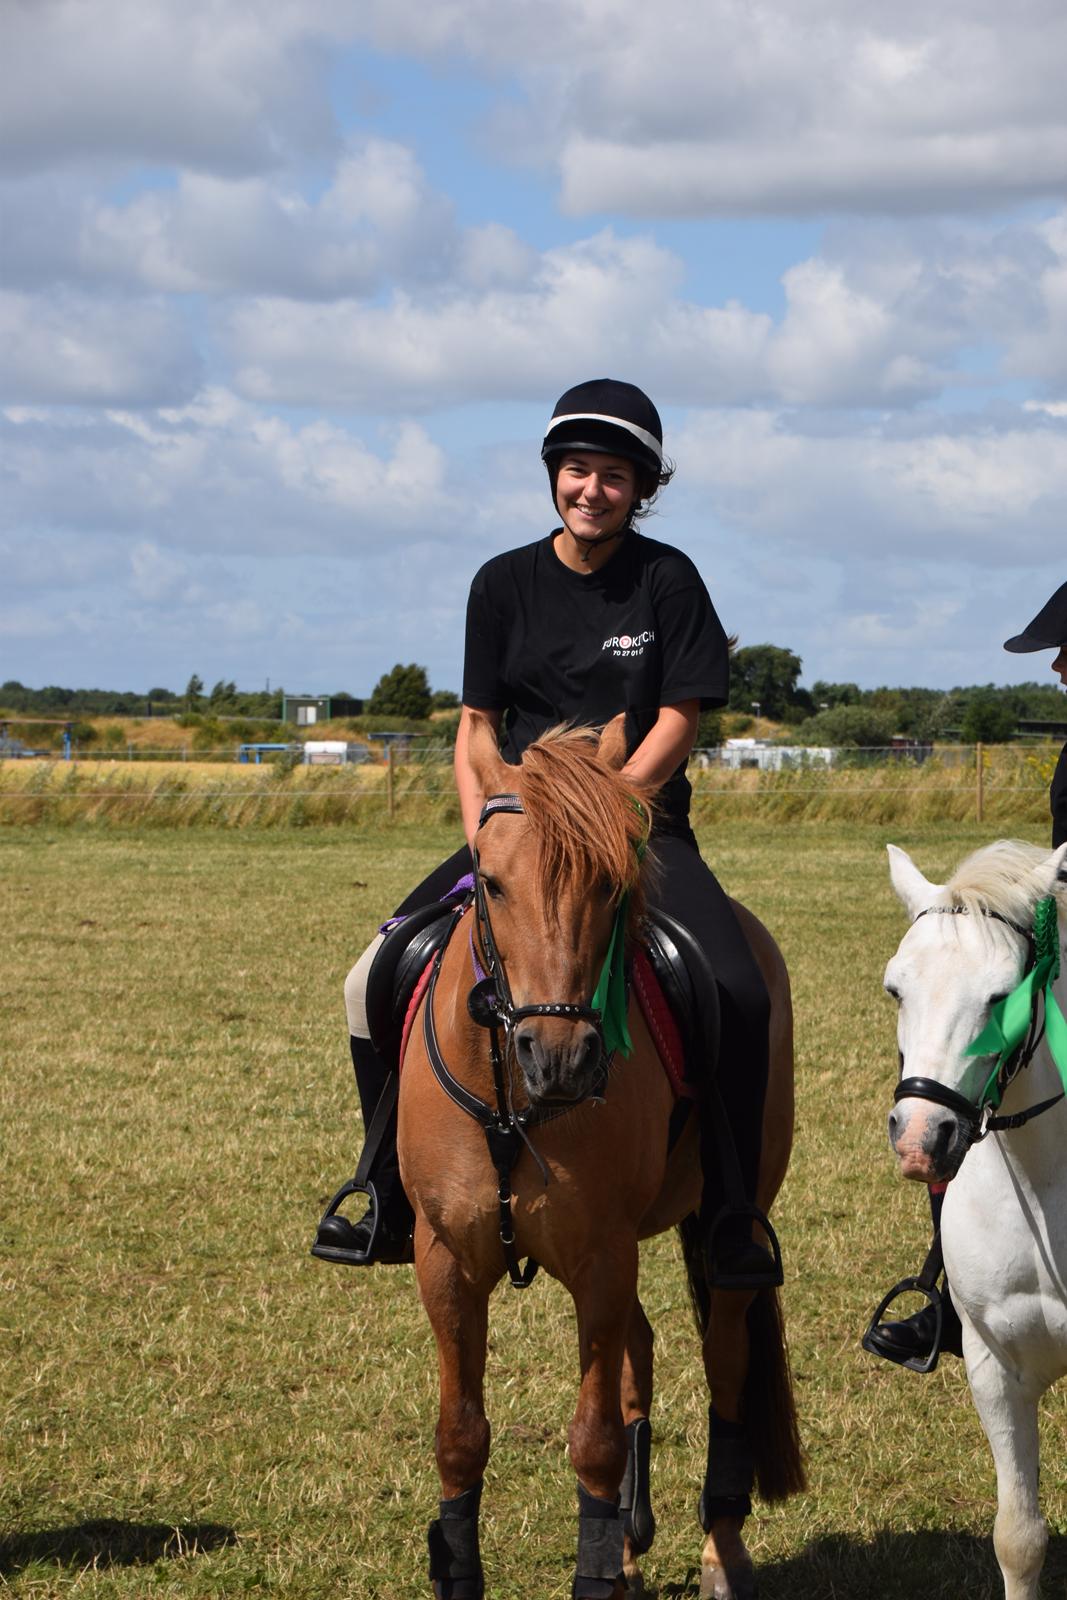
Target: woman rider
591, 620
912, 1338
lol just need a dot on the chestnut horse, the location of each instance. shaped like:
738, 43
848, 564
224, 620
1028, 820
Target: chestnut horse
558, 855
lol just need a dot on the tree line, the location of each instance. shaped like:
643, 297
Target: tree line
764, 683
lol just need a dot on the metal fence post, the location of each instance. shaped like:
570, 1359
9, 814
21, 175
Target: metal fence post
389, 794
979, 795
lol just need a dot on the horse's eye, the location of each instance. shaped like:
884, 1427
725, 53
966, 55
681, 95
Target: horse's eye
892, 992
491, 887
995, 999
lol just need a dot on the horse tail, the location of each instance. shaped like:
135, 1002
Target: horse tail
769, 1404
768, 1401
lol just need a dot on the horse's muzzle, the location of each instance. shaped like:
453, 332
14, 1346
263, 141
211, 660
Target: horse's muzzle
561, 1061
930, 1141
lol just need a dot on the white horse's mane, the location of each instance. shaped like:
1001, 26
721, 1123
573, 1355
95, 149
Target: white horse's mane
999, 877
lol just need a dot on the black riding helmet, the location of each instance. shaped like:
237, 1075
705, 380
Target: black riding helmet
615, 418
606, 415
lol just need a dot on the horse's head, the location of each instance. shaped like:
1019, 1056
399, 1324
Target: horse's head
554, 877
966, 949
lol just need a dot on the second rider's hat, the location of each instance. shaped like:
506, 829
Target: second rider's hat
1048, 631
604, 414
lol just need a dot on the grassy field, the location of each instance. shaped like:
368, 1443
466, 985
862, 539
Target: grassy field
190, 1406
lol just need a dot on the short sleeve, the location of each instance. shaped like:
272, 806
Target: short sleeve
693, 649
483, 687
1058, 801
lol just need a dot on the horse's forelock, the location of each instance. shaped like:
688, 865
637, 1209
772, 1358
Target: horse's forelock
999, 877
582, 814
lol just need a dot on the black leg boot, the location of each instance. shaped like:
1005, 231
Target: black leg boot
910, 1342
735, 1260
384, 1231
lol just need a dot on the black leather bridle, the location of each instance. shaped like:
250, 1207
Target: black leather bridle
491, 1005
978, 1117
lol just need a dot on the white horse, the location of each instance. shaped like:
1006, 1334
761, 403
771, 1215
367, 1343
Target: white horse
1004, 1225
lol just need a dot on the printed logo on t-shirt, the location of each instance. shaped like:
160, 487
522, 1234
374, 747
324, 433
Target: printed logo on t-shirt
629, 644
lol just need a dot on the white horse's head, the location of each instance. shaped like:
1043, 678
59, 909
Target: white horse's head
963, 952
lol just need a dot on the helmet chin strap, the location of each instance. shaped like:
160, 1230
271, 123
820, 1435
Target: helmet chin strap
587, 546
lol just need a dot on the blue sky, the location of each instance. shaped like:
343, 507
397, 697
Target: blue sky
289, 291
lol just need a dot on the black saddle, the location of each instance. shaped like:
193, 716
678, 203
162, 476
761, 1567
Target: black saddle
688, 983
403, 956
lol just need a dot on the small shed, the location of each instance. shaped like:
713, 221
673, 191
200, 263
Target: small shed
333, 753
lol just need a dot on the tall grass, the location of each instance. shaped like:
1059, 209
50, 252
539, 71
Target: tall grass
199, 794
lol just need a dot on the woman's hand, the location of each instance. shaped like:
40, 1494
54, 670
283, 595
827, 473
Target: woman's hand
666, 745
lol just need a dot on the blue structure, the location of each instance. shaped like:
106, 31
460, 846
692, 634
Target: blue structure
250, 752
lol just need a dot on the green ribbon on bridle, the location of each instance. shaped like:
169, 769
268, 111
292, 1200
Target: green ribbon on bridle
1011, 1018
610, 997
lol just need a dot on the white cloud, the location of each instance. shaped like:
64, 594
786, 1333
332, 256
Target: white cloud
72, 349
225, 86
720, 109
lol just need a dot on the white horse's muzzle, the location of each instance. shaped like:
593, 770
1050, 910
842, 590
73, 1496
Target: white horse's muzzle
930, 1141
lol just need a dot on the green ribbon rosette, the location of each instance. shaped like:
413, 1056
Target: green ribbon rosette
611, 998
1010, 1018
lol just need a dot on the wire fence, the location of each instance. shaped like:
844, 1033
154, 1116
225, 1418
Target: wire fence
1003, 785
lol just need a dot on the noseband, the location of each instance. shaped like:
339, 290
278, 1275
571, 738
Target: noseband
1042, 951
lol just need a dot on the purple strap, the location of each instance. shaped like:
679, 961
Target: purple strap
465, 883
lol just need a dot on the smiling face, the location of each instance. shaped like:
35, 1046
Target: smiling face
595, 495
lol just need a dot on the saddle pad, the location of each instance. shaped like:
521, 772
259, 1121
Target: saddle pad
661, 1024
413, 1005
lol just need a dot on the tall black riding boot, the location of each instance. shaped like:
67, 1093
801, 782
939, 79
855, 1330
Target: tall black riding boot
910, 1342
383, 1233
735, 1260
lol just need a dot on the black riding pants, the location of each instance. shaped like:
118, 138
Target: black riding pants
687, 888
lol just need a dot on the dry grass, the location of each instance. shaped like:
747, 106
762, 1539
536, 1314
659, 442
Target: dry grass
169, 794
191, 1407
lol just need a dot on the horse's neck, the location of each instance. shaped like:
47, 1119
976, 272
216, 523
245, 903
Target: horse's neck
1039, 1145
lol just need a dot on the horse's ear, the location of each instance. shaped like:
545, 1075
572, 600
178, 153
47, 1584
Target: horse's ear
484, 756
1052, 873
914, 891
613, 742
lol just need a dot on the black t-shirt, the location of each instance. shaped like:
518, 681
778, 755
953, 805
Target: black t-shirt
546, 645
1058, 801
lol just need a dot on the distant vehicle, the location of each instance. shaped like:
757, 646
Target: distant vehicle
14, 749
334, 753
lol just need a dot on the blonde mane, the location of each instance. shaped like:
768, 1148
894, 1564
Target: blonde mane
583, 814
999, 877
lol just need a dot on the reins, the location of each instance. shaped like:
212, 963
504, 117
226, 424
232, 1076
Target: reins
1013, 1032
491, 1005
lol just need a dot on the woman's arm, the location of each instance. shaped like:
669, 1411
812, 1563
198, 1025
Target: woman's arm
471, 798
666, 744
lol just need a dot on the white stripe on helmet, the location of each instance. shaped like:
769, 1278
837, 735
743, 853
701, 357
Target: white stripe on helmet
646, 438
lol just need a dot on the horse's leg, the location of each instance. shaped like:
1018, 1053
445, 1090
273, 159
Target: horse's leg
604, 1296
636, 1394
1008, 1412
459, 1315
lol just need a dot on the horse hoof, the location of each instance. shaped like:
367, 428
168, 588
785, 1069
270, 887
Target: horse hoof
735, 1581
635, 1583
